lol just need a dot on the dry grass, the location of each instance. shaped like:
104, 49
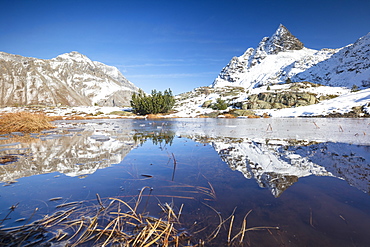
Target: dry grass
253, 116
115, 223
7, 158
228, 115
119, 223
156, 116
24, 122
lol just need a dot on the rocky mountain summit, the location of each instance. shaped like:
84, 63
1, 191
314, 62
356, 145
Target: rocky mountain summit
281, 41
70, 79
283, 57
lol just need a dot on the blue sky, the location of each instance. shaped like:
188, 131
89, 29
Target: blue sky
173, 44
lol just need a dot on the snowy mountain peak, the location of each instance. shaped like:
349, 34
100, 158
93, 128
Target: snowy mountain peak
274, 60
74, 56
283, 56
281, 40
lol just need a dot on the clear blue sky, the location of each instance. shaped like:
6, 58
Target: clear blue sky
172, 44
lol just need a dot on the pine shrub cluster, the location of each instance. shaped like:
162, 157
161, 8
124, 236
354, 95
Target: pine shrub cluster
219, 105
154, 103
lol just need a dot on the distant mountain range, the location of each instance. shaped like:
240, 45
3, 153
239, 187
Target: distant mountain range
70, 79
283, 57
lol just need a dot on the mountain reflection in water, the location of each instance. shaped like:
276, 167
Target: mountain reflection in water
275, 163
270, 153
67, 150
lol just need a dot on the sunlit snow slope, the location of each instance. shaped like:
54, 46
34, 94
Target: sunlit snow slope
283, 57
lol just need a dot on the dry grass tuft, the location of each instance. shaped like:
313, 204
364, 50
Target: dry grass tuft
116, 222
7, 159
24, 122
228, 115
253, 116
77, 117
54, 118
154, 116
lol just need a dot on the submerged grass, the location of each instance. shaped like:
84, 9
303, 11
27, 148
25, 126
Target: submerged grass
119, 223
24, 122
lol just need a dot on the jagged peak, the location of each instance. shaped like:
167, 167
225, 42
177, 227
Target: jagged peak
281, 30
281, 40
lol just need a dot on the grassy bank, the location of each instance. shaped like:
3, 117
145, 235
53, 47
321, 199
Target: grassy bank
25, 122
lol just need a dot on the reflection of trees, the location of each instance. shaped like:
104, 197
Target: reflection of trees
157, 138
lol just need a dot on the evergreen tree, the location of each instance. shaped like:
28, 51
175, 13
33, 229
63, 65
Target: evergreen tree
154, 103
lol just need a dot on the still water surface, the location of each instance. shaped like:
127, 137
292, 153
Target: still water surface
308, 177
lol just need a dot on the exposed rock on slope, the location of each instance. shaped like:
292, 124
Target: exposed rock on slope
69, 79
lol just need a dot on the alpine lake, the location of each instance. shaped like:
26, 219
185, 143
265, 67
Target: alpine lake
188, 182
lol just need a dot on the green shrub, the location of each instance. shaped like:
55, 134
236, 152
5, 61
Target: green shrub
219, 105
154, 103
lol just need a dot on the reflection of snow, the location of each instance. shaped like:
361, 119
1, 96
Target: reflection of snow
277, 164
263, 162
347, 161
74, 154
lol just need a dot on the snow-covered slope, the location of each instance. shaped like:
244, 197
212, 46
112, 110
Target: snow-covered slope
69, 79
276, 59
282, 56
349, 66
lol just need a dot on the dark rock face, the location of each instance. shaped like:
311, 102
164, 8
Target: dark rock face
282, 40
280, 100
